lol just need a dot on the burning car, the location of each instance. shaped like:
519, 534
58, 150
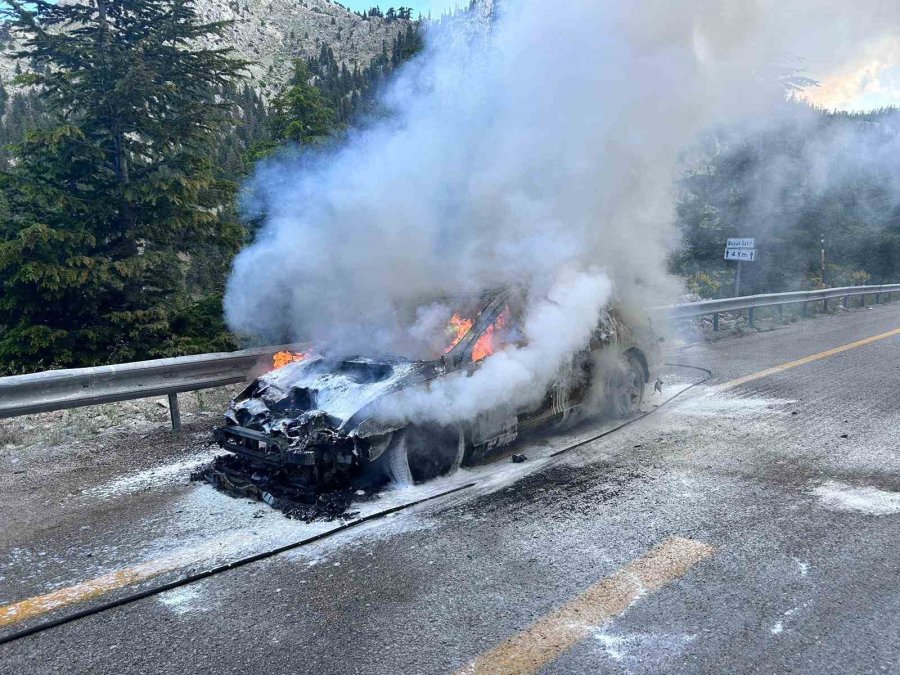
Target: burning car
315, 423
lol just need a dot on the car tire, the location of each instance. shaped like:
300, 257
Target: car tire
626, 388
419, 454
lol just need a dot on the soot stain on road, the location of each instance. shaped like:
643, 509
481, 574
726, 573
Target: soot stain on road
795, 475
574, 488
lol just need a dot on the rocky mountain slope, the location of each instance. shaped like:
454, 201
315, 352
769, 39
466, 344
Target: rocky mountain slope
272, 33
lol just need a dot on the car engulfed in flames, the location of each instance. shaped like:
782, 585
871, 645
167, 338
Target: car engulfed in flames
311, 425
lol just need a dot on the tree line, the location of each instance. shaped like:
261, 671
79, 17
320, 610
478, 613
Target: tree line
811, 181
392, 14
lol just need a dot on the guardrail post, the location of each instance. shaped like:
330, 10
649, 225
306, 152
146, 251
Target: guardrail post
805, 309
862, 299
175, 412
877, 298
716, 321
846, 301
826, 305
751, 315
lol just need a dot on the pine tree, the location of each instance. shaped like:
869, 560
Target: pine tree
109, 215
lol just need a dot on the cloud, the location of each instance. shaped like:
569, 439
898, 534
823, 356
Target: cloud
870, 79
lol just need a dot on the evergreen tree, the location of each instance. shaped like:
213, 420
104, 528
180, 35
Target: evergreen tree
109, 215
24, 111
301, 113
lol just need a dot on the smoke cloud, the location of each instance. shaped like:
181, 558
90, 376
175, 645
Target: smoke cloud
541, 153
514, 377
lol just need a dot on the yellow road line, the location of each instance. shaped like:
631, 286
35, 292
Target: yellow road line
549, 637
87, 590
806, 359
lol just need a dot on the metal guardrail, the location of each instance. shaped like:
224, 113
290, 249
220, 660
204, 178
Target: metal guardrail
751, 303
64, 389
74, 388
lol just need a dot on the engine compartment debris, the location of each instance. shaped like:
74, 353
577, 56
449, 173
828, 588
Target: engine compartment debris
237, 477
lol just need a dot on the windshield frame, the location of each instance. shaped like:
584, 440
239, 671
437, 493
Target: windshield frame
496, 302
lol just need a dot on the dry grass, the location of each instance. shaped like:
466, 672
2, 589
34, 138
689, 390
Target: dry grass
8, 434
60, 426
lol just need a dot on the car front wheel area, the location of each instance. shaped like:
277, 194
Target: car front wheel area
419, 454
626, 387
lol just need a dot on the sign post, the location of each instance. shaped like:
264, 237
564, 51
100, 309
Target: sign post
741, 249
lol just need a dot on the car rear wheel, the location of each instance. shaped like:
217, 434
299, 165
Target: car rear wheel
419, 454
626, 388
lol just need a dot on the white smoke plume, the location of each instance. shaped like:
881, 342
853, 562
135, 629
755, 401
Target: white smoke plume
534, 155
514, 377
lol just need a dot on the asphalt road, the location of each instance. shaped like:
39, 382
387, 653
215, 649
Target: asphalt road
746, 527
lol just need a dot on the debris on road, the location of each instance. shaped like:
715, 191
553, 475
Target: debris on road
519, 459
235, 476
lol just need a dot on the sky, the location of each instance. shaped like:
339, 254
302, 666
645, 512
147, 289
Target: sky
867, 79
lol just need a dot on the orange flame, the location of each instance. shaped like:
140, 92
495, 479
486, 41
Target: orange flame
282, 359
457, 329
485, 346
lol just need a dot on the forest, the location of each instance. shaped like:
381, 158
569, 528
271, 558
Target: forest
812, 181
122, 150
119, 183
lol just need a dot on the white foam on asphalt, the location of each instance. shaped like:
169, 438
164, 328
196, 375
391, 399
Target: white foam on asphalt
869, 500
612, 645
320, 552
181, 600
646, 649
157, 477
710, 402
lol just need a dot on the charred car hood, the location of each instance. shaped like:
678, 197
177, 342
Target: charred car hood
339, 389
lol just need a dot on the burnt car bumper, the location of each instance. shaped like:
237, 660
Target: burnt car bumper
325, 458
259, 447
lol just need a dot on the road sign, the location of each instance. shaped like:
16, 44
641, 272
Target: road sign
741, 254
741, 243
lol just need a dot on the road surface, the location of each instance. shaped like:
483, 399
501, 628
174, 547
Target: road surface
750, 525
